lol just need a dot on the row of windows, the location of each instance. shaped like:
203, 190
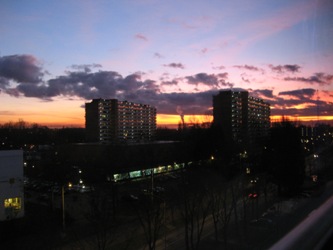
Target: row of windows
147, 172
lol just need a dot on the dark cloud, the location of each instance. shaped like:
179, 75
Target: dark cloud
169, 83
245, 80
282, 104
204, 50
301, 94
4, 82
12, 92
309, 107
247, 67
86, 67
81, 81
319, 78
285, 68
175, 65
158, 55
141, 37
20, 68
190, 103
262, 93
213, 80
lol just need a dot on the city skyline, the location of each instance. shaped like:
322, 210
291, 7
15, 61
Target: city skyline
57, 55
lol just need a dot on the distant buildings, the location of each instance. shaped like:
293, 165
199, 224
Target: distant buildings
243, 119
110, 120
11, 184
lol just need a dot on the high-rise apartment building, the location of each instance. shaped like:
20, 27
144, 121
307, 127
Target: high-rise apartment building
243, 118
110, 120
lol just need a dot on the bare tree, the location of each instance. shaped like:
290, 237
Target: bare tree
151, 213
221, 210
102, 221
194, 211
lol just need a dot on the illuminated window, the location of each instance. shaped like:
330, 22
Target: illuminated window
134, 174
13, 203
12, 207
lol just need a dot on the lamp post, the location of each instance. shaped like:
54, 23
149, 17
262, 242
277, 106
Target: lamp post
63, 208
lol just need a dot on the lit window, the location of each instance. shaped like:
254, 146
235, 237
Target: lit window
12, 205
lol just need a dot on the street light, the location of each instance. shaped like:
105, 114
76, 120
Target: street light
63, 208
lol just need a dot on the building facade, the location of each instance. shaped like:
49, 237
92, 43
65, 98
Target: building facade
11, 184
244, 119
110, 120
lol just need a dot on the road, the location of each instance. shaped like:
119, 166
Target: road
261, 235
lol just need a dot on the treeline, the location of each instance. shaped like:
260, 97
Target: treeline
21, 134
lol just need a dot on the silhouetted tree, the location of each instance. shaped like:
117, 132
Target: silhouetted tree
150, 212
284, 157
102, 220
194, 208
221, 209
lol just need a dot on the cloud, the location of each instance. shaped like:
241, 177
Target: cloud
204, 50
245, 80
4, 82
86, 67
81, 81
250, 68
247, 67
170, 83
85, 82
300, 102
263, 93
12, 92
218, 67
285, 68
175, 65
319, 78
213, 80
20, 68
190, 103
141, 37
301, 94
158, 55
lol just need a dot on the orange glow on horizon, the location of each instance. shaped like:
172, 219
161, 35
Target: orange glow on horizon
277, 118
162, 120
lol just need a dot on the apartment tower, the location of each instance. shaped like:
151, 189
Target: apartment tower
110, 120
244, 119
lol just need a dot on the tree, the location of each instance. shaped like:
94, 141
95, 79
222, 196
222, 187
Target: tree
102, 220
150, 213
284, 157
194, 208
221, 210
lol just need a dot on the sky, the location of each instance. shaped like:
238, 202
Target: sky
57, 55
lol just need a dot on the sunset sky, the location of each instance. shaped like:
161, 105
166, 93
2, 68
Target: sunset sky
175, 55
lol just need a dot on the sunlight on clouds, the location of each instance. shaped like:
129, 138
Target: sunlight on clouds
303, 106
278, 118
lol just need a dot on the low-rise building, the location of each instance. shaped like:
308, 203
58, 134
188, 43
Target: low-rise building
11, 184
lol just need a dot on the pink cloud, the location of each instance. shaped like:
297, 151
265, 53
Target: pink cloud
141, 37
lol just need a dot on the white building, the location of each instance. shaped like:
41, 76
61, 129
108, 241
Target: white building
11, 184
